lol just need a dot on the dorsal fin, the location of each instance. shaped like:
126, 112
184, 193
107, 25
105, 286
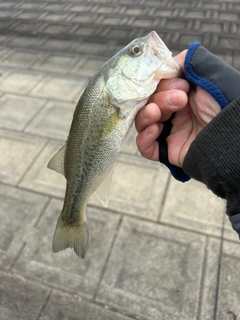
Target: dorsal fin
57, 161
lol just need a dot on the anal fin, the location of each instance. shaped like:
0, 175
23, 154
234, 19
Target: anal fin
104, 190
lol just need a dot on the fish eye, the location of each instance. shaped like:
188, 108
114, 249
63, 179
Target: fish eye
135, 50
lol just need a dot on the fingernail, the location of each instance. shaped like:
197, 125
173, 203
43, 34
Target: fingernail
173, 98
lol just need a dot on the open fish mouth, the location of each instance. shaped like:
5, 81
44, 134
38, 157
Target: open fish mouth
167, 64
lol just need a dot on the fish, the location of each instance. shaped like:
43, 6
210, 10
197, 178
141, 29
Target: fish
101, 121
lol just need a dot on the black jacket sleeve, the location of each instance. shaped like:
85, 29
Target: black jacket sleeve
214, 156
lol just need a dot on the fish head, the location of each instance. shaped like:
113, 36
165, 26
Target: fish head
148, 57
139, 67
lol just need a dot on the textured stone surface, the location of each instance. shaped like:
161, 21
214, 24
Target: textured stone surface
193, 206
16, 229
19, 81
17, 111
18, 152
65, 306
154, 271
229, 292
207, 310
42, 179
59, 64
65, 269
20, 59
20, 298
60, 88
53, 121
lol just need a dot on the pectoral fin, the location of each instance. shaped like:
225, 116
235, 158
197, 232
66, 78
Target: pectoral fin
104, 190
57, 161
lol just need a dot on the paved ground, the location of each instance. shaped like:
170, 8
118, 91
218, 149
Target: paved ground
162, 249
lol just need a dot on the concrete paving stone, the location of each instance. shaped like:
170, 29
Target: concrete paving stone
228, 42
54, 6
28, 15
52, 44
7, 4
20, 299
210, 27
60, 88
21, 59
210, 280
18, 81
195, 14
84, 18
228, 16
228, 232
87, 31
6, 13
88, 66
80, 8
56, 28
229, 292
18, 151
3, 53
53, 121
65, 269
214, 6
4, 39
29, 5
25, 42
26, 26
120, 33
112, 20
19, 211
187, 39
106, 9
65, 306
236, 6
192, 206
17, 111
132, 11
56, 63
40, 178
4, 24
137, 187
176, 25
94, 48
154, 272
49, 16
143, 22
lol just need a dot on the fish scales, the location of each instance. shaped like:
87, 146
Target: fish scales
100, 123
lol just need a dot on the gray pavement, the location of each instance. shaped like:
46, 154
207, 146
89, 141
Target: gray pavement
162, 249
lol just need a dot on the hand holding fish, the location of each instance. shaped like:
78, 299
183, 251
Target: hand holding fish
193, 109
199, 136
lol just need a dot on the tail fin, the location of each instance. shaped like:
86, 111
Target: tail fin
73, 236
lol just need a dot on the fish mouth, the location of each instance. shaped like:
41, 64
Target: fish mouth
168, 68
155, 40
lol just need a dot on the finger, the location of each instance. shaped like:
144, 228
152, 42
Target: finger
180, 58
146, 141
170, 100
171, 84
147, 116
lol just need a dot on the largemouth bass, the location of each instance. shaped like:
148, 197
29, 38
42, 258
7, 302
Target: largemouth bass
102, 118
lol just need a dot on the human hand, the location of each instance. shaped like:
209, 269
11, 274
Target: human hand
193, 108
